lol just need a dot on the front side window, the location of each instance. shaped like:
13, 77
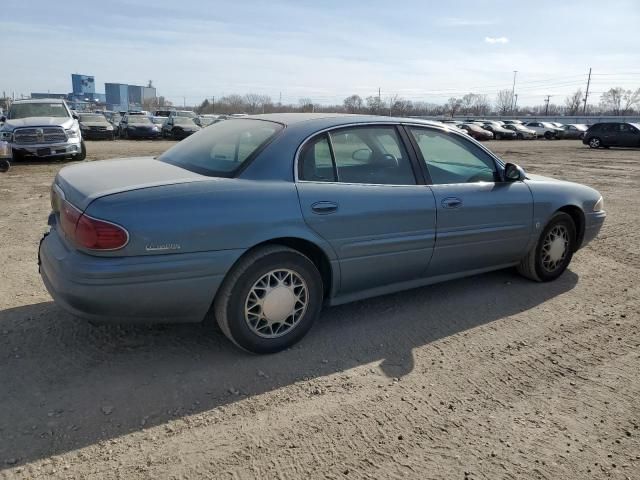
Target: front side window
453, 160
370, 155
223, 148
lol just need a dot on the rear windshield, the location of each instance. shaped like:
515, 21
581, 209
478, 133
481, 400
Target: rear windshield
26, 110
221, 149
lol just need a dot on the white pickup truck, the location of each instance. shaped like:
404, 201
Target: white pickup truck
42, 128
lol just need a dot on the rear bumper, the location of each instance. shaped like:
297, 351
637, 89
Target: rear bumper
144, 289
592, 225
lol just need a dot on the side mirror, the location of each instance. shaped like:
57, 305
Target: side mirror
362, 155
513, 173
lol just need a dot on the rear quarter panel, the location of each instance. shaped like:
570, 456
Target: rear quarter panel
221, 214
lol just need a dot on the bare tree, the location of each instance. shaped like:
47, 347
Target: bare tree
503, 102
353, 104
573, 102
256, 102
619, 101
453, 105
306, 105
375, 104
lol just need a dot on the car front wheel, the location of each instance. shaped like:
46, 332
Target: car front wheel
551, 256
269, 300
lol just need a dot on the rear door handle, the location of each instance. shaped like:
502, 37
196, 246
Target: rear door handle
451, 202
324, 207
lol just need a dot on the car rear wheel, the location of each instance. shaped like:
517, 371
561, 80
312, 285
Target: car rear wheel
519, 136
551, 256
269, 300
548, 135
4, 165
498, 136
595, 142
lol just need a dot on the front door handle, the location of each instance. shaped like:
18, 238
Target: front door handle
324, 207
452, 202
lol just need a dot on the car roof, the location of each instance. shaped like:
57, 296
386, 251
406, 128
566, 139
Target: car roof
335, 119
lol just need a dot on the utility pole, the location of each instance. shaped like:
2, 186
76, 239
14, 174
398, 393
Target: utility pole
586, 95
546, 110
513, 89
280, 99
515, 104
213, 104
184, 102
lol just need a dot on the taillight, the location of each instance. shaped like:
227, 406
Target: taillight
89, 232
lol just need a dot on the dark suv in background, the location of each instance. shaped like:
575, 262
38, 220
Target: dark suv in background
612, 135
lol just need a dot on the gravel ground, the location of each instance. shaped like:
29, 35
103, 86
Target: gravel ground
482, 378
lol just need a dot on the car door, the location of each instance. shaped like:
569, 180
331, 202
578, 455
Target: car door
359, 191
629, 136
482, 222
610, 134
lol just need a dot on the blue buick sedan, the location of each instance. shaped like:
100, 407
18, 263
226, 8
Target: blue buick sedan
264, 219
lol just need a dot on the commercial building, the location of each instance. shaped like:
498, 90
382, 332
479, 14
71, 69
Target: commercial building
117, 96
83, 85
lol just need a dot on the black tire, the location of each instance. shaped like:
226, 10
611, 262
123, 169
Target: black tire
234, 293
16, 156
4, 165
532, 265
548, 135
519, 136
498, 136
83, 152
595, 142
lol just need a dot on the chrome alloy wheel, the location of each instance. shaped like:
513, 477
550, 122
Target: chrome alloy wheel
594, 142
276, 303
555, 247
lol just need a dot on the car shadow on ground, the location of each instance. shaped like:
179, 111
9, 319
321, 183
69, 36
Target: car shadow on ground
66, 384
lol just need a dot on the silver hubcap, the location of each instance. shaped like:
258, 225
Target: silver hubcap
555, 247
595, 142
276, 303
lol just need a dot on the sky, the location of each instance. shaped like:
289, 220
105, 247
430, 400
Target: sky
323, 50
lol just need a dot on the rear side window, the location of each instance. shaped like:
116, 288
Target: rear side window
221, 149
373, 155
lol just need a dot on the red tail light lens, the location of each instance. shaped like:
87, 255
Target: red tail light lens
89, 232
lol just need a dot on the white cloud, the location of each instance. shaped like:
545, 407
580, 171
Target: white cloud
496, 39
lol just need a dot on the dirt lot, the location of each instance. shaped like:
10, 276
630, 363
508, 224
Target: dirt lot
487, 377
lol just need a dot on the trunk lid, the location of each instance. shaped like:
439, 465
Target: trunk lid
85, 182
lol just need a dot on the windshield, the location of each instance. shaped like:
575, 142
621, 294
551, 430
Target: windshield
159, 120
139, 120
548, 125
221, 149
26, 110
185, 114
183, 121
92, 118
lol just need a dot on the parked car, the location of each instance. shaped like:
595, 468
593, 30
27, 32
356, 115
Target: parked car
138, 126
522, 132
114, 118
264, 219
179, 128
95, 126
512, 122
610, 134
545, 129
499, 131
159, 121
476, 131
574, 130
43, 128
208, 119
183, 113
